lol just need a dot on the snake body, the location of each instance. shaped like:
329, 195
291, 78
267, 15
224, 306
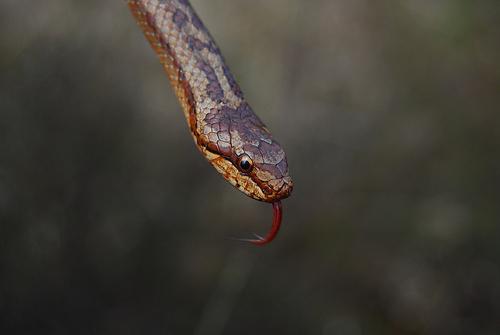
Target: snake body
224, 127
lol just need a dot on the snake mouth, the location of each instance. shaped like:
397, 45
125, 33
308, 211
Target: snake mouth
277, 216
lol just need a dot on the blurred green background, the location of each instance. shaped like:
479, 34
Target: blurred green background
111, 222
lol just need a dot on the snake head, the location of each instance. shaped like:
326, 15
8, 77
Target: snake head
241, 148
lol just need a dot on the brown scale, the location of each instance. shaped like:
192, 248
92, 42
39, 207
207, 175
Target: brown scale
224, 127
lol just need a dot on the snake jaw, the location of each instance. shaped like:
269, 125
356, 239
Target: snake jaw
255, 184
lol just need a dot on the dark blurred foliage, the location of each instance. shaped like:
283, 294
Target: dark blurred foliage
113, 223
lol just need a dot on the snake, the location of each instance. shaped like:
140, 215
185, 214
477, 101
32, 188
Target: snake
224, 127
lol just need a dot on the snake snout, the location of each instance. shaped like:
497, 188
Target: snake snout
275, 181
279, 189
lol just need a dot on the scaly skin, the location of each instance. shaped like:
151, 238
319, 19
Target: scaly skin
223, 125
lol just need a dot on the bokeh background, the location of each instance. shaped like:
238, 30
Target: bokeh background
111, 222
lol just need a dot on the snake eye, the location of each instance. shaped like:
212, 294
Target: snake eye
245, 163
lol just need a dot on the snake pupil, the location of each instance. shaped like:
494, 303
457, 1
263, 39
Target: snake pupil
246, 163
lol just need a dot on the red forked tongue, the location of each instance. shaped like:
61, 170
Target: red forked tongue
277, 215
